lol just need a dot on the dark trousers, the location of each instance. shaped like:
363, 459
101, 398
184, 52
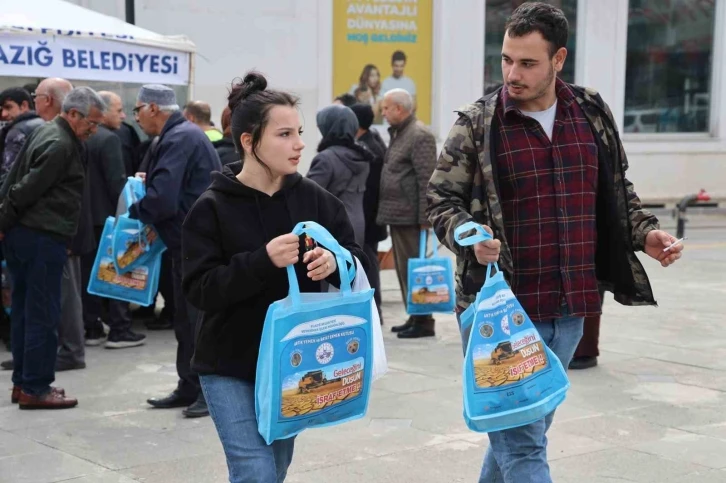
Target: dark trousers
374, 273
185, 321
406, 245
588, 346
36, 264
118, 316
71, 342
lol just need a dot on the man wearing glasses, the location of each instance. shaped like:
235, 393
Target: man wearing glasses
179, 169
39, 213
49, 97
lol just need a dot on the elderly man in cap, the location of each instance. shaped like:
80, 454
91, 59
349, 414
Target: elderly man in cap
39, 213
179, 170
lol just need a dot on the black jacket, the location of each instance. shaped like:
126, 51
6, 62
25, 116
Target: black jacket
44, 188
227, 272
226, 151
13, 137
375, 144
130, 146
105, 173
179, 171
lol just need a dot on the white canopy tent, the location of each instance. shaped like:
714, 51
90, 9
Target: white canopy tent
54, 38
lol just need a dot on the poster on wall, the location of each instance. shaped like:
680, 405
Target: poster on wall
379, 45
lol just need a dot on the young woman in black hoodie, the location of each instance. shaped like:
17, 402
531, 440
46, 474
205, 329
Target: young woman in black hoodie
237, 242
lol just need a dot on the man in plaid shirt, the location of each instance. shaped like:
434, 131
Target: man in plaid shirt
540, 165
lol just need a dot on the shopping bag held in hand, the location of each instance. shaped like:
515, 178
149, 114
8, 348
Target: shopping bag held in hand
139, 285
430, 281
380, 360
511, 378
134, 243
314, 365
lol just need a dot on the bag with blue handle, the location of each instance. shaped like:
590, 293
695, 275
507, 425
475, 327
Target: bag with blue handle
138, 285
430, 281
315, 360
511, 378
134, 243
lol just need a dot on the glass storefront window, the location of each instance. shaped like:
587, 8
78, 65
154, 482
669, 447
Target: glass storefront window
668, 72
496, 14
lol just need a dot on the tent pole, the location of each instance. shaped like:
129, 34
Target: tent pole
131, 12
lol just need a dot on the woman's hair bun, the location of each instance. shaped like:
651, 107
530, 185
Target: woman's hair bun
253, 82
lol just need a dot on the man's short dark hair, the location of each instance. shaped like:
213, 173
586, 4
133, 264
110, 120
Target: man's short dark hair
346, 99
200, 110
540, 17
398, 55
17, 95
364, 113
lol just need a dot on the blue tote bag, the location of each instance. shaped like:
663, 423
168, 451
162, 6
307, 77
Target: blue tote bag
430, 281
315, 360
511, 378
134, 243
139, 285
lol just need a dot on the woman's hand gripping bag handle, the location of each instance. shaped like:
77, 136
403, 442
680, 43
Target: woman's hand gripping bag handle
430, 281
315, 361
133, 243
511, 378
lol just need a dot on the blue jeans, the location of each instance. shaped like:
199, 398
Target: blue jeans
231, 404
520, 454
36, 262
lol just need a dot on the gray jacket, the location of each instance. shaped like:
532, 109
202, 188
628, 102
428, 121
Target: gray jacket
341, 166
407, 169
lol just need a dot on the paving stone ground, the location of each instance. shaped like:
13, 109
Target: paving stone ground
654, 410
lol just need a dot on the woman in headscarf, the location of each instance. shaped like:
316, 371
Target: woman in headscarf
342, 165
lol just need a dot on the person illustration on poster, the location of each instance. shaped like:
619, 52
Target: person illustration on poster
397, 79
368, 90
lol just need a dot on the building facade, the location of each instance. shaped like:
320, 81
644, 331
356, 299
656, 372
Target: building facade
658, 63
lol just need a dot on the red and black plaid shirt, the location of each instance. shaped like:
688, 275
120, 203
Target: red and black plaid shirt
549, 191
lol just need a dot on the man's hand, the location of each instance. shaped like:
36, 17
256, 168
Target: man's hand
321, 264
142, 176
425, 227
284, 250
658, 240
487, 252
2, 236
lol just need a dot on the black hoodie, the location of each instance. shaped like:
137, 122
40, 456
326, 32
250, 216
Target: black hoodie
227, 272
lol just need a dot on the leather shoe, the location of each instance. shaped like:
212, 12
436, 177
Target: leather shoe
159, 324
405, 326
416, 332
197, 410
15, 397
173, 400
53, 399
7, 365
583, 363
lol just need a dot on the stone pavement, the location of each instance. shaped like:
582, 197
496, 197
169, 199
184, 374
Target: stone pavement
654, 410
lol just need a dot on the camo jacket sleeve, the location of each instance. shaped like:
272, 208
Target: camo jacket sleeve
641, 221
450, 187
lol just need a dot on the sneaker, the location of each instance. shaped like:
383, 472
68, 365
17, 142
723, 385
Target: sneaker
95, 336
124, 339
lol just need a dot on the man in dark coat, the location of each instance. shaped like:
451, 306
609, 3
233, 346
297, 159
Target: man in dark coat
106, 177
17, 111
179, 170
375, 233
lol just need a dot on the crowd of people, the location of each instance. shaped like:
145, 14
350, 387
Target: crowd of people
537, 162
66, 155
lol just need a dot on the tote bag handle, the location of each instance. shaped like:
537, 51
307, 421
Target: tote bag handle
481, 235
346, 265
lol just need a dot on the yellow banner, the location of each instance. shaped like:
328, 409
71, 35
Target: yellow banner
380, 45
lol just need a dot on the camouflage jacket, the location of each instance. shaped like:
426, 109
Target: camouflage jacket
464, 187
